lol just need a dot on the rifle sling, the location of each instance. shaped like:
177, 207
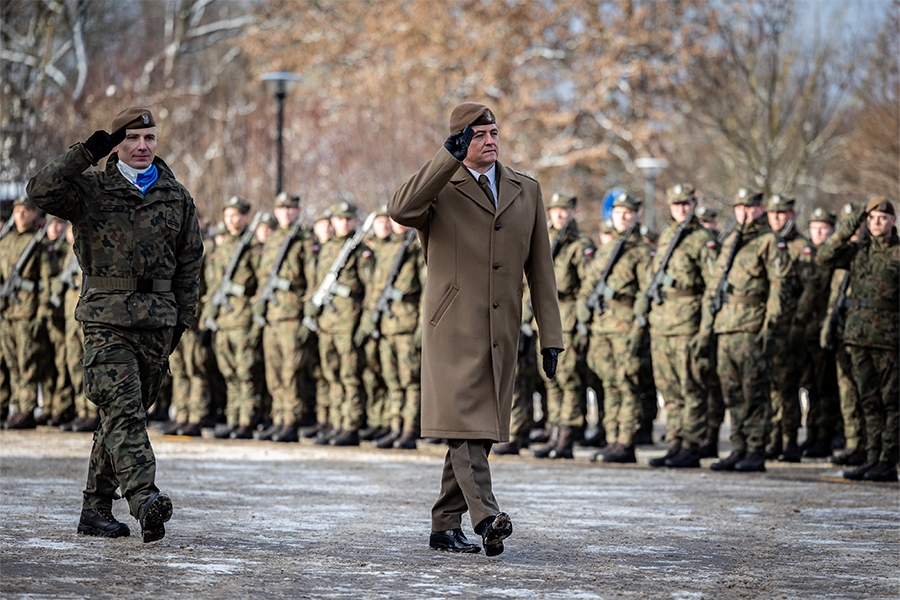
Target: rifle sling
126, 284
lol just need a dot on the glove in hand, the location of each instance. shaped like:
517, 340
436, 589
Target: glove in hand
100, 144
458, 143
177, 332
551, 359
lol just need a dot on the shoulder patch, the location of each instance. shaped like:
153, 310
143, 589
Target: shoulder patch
711, 244
653, 254
781, 245
367, 254
524, 174
807, 250
589, 251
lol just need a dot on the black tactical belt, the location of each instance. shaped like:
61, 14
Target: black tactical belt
749, 299
621, 302
126, 284
672, 293
876, 304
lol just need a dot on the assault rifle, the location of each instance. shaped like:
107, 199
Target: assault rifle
654, 292
594, 301
786, 230
67, 279
227, 287
390, 293
557, 243
273, 281
330, 287
721, 295
15, 281
836, 319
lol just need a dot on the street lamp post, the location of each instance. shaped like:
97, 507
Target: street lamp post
279, 83
652, 167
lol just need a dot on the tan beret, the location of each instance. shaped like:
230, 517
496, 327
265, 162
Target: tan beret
135, 117
882, 204
470, 113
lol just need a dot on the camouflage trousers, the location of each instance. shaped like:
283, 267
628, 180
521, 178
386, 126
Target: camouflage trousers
784, 393
190, 379
820, 380
521, 418
374, 385
74, 354
123, 372
237, 357
565, 400
744, 372
715, 403
622, 410
401, 362
340, 367
286, 356
20, 342
685, 398
848, 393
877, 375
646, 382
5, 391
59, 399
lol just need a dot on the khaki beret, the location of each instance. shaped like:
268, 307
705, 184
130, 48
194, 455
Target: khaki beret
705, 213
745, 197
627, 200
24, 201
880, 203
269, 220
343, 209
680, 192
779, 203
562, 201
136, 117
242, 205
470, 113
822, 215
286, 200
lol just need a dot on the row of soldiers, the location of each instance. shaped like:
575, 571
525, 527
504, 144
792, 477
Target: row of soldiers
316, 332
740, 320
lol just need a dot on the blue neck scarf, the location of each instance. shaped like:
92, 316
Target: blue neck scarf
146, 179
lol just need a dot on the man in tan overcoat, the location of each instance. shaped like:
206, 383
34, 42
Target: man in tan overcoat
476, 250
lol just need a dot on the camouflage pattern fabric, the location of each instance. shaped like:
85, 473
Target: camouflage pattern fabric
401, 360
237, 357
622, 410
340, 368
124, 370
745, 372
21, 346
878, 371
685, 398
190, 379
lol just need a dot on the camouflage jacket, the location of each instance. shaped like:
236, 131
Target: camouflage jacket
409, 284
799, 250
873, 308
758, 283
289, 293
244, 275
691, 269
343, 316
627, 279
34, 295
832, 331
70, 294
121, 233
58, 253
813, 303
570, 266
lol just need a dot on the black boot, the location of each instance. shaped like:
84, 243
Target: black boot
791, 453
101, 523
882, 471
545, 450
622, 454
347, 437
563, 447
859, 473
286, 434
754, 461
728, 463
267, 433
710, 446
510, 448
407, 441
820, 449
387, 441
687, 458
660, 461
850, 457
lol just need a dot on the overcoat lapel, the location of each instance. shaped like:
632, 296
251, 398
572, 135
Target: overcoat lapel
508, 185
468, 187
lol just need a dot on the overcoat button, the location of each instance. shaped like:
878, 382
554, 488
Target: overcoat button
496, 265
496, 305
495, 344
496, 226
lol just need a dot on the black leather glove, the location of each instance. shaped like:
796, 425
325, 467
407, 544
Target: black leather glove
177, 332
551, 358
100, 144
458, 143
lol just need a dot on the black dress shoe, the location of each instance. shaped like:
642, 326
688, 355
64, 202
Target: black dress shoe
882, 471
493, 531
727, 463
452, 540
753, 462
153, 515
100, 522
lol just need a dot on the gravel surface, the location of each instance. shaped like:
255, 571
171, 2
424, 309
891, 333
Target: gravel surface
266, 520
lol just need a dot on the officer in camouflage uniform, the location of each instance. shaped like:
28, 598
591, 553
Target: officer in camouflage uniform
872, 331
236, 337
336, 327
68, 288
819, 375
565, 401
137, 239
284, 337
616, 336
21, 328
377, 254
746, 327
789, 359
59, 402
674, 323
398, 333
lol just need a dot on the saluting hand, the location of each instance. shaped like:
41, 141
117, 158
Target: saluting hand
458, 143
100, 144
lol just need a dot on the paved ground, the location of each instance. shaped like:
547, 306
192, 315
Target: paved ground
262, 520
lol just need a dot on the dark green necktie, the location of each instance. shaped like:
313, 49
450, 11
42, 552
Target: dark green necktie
486, 186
